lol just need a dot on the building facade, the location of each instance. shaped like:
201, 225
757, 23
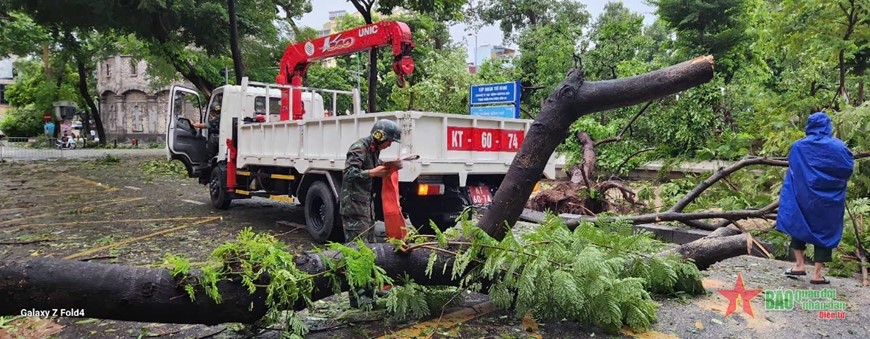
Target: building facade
486, 52
130, 108
7, 77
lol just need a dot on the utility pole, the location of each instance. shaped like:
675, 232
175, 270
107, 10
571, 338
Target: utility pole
475, 49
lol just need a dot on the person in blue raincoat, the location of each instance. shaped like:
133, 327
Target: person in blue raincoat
813, 197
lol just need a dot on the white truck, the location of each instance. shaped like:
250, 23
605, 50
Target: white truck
462, 158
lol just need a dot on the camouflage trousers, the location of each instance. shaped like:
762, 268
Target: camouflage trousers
360, 226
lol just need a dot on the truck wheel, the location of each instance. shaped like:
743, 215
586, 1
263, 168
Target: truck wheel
217, 189
321, 213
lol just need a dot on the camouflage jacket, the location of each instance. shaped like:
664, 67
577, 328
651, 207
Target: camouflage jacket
356, 184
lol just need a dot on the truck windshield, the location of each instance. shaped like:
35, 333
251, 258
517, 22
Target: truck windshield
260, 105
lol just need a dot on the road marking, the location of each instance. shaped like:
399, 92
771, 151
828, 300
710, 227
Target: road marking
73, 223
282, 198
107, 202
143, 237
88, 181
712, 284
649, 334
133, 188
426, 328
63, 193
193, 202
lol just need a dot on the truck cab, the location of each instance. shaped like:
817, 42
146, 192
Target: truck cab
195, 128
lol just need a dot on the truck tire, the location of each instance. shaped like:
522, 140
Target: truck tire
321, 213
217, 188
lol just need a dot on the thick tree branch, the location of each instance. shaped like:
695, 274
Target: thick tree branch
535, 216
721, 174
583, 171
724, 243
571, 100
725, 172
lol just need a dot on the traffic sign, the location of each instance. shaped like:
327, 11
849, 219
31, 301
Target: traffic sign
501, 93
509, 111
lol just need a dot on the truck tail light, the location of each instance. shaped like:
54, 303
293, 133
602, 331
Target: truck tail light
430, 189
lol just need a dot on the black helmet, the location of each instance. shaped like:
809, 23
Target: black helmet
384, 130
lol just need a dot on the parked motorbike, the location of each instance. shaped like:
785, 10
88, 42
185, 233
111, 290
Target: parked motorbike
66, 143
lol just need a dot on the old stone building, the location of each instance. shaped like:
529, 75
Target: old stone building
129, 106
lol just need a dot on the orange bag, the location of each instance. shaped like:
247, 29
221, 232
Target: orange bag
394, 222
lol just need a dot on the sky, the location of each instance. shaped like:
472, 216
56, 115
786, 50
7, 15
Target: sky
490, 35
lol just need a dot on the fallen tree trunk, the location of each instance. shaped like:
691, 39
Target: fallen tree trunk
118, 292
724, 243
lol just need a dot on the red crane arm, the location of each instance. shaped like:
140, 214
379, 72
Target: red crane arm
297, 57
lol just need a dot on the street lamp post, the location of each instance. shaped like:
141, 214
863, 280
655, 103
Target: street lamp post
475, 48
358, 69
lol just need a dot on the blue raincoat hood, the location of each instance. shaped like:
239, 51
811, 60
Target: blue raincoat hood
813, 197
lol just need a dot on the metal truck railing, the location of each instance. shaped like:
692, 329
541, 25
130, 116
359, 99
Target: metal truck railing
331, 97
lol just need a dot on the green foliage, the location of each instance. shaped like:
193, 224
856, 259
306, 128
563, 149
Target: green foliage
617, 38
717, 27
19, 34
410, 300
684, 121
547, 57
844, 263
358, 265
261, 262
516, 16
22, 122
164, 168
192, 36
779, 240
551, 271
108, 160
729, 145
442, 10
852, 125
745, 189
445, 90
608, 156
31, 88
557, 273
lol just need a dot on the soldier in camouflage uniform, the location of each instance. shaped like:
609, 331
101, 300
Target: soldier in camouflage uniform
363, 164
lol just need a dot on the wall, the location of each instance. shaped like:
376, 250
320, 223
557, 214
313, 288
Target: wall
6, 78
131, 108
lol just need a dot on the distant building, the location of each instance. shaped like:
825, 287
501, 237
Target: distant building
486, 52
7, 77
129, 107
330, 28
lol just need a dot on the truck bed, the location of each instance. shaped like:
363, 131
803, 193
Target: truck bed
446, 143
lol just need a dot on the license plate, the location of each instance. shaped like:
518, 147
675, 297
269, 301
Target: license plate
480, 195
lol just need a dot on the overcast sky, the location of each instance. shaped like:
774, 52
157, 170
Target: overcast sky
488, 35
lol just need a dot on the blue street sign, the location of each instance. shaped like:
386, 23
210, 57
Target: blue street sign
510, 111
502, 93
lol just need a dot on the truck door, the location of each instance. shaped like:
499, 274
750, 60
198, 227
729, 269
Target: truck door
184, 142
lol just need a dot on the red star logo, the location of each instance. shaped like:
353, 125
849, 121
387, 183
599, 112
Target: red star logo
739, 294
